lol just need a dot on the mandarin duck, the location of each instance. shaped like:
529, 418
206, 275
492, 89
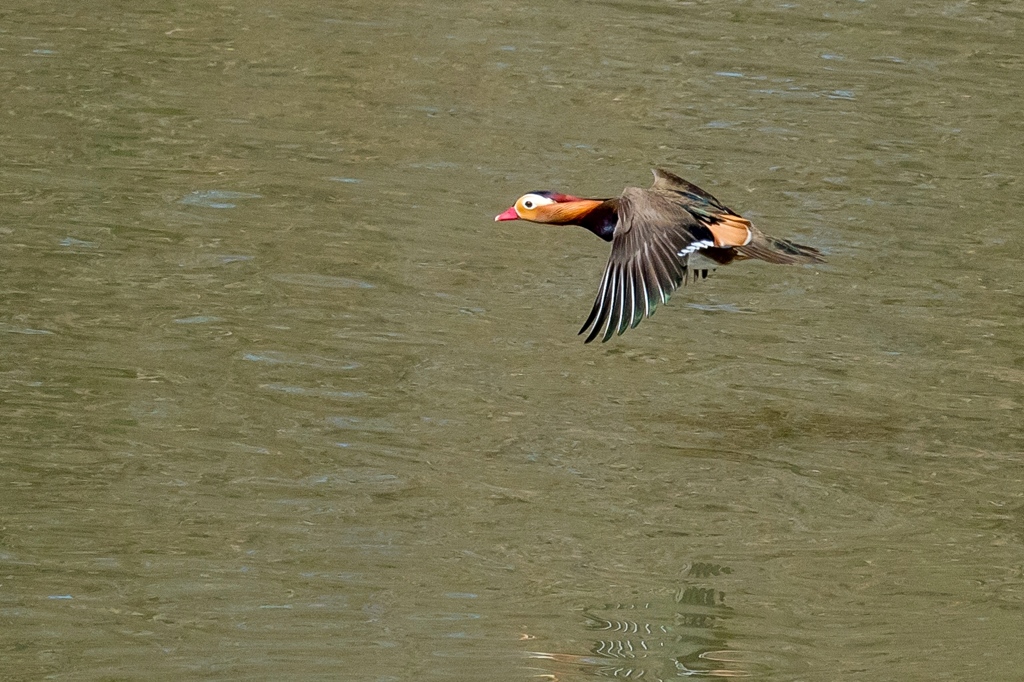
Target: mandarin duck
654, 233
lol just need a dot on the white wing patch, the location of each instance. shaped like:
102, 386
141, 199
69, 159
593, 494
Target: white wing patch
696, 246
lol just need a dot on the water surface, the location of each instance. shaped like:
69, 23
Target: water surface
281, 401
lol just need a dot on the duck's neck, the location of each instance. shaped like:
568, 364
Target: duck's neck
597, 215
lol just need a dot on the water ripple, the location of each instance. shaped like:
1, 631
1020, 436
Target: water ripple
273, 357
323, 281
216, 198
11, 329
314, 392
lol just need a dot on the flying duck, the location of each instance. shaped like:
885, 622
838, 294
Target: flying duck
654, 232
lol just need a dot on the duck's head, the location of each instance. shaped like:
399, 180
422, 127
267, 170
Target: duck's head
546, 207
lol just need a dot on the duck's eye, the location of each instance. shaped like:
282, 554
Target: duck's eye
528, 203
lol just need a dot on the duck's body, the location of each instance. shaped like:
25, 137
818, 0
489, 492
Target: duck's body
654, 232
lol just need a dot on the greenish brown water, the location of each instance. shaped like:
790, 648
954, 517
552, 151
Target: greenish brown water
279, 400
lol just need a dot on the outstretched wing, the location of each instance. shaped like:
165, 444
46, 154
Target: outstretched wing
735, 235
653, 240
664, 180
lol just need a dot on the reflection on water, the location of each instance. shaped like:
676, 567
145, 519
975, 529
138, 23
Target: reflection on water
660, 640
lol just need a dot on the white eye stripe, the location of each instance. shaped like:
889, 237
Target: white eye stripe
532, 201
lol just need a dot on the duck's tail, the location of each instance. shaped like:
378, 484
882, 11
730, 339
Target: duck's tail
774, 250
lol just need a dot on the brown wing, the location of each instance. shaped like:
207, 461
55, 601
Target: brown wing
653, 240
735, 235
665, 180
730, 228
